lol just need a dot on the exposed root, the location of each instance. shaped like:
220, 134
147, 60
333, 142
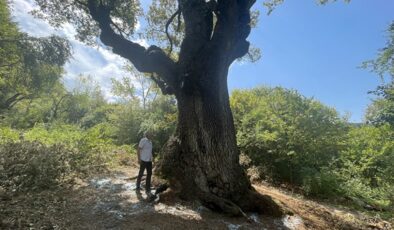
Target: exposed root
219, 204
161, 188
252, 201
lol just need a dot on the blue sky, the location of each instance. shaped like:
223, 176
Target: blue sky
317, 50
314, 49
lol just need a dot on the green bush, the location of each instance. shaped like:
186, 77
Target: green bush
366, 166
323, 183
96, 141
284, 132
297, 140
50, 155
69, 135
7, 134
33, 166
125, 155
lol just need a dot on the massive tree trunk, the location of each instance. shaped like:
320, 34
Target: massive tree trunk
207, 154
202, 157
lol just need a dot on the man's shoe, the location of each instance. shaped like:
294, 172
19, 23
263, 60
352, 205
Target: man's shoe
150, 197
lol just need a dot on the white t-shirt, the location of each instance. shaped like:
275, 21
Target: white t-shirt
145, 146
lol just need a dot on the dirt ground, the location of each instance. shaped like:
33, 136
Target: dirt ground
110, 201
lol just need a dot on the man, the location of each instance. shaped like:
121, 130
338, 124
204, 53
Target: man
144, 153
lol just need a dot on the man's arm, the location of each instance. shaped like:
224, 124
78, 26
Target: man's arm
139, 154
139, 148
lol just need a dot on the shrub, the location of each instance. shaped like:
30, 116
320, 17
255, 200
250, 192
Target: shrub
323, 183
69, 135
26, 165
95, 144
8, 134
33, 166
125, 155
285, 132
47, 156
366, 165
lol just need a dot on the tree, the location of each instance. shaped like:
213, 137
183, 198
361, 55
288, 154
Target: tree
29, 66
85, 105
45, 107
382, 109
142, 107
202, 159
136, 87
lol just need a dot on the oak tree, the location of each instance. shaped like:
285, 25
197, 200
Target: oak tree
200, 40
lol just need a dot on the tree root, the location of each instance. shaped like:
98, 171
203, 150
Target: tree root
251, 202
219, 204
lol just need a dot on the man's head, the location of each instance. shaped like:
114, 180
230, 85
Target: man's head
148, 134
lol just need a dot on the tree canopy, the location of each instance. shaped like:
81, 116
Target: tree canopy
29, 66
382, 109
183, 26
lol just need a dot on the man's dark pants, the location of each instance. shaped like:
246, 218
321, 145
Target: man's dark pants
148, 166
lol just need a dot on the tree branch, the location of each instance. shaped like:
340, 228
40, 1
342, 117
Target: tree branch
10, 64
12, 101
117, 28
81, 3
151, 60
165, 89
178, 12
55, 107
232, 28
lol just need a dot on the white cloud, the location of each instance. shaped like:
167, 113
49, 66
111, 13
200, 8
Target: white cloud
138, 25
27, 22
100, 63
142, 42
